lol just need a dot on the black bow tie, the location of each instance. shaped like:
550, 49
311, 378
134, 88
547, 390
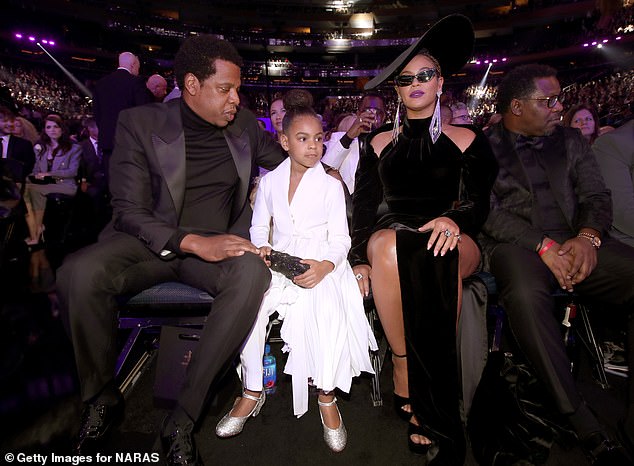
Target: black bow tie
527, 142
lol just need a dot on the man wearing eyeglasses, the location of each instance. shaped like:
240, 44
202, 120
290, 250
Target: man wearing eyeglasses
460, 114
547, 229
342, 151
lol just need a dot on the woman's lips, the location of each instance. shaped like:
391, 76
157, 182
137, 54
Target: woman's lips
416, 94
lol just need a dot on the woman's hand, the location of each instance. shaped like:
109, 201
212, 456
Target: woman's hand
40, 176
362, 274
318, 270
444, 237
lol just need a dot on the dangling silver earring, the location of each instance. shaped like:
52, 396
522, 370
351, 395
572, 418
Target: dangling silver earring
397, 120
435, 127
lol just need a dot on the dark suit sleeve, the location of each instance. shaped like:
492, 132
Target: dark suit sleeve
131, 185
141, 94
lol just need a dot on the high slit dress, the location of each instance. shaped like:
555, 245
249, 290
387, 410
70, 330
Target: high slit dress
420, 181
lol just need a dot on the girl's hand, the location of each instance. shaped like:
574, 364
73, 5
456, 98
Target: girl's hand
364, 271
444, 236
318, 270
265, 251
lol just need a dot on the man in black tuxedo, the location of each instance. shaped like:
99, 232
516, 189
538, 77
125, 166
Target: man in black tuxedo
15, 148
93, 174
121, 89
548, 229
180, 182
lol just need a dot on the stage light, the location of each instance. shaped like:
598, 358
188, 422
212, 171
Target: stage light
51, 42
18, 35
503, 59
594, 42
618, 38
599, 46
32, 39
44, 41
586, 44
605, 41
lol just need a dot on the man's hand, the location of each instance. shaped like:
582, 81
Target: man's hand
362, 124
218, 247
559, 265
318, 270
365, 272
584, 258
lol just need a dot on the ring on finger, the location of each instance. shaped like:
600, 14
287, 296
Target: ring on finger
459, 238
448, 234
358, 276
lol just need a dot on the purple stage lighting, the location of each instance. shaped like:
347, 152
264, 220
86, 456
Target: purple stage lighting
32, 39
18, 35
51, 42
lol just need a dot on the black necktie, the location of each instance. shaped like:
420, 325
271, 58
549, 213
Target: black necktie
528, 142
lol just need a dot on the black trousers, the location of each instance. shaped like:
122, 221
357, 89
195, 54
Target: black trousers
90, 279
525, 287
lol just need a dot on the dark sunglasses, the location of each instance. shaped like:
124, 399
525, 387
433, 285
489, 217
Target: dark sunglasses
422, 76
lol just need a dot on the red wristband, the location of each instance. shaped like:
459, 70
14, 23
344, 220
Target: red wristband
543, 250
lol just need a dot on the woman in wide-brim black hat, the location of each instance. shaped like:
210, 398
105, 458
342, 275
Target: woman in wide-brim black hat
436, 182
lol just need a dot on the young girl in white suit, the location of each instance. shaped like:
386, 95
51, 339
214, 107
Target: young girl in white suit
324, 327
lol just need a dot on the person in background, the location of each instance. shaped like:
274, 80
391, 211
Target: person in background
24, 129
460, 114
15, 148
342, 149
57, 161
615, 155
585, 118
157, 85
276, 114
121, 89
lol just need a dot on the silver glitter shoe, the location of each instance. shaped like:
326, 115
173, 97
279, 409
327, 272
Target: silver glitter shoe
230, 426
335, 438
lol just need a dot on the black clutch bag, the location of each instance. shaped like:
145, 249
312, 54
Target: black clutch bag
287, 265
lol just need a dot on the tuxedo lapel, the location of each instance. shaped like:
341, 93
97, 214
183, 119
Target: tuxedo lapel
238, 142
169, 146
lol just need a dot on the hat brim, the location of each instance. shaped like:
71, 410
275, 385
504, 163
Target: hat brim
450, 41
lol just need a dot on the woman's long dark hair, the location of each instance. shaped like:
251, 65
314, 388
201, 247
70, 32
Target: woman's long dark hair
64, 142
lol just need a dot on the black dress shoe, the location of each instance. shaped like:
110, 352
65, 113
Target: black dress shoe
179, 447
97, 420
601, 451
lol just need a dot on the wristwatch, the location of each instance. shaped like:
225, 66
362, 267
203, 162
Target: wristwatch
595, 240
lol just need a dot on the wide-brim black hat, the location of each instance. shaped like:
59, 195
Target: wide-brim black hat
450, 41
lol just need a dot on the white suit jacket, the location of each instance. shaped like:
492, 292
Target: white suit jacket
344, 160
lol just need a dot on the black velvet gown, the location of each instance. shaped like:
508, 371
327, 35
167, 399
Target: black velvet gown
420, 181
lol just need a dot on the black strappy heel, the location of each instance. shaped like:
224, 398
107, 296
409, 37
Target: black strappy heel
401, 401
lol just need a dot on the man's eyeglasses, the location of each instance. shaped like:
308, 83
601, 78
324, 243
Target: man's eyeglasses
422, 76
550, 101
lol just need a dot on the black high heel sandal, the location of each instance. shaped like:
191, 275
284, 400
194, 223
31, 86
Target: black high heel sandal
418, 448
401, 401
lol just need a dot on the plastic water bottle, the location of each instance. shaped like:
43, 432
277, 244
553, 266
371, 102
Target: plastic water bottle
270, 371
